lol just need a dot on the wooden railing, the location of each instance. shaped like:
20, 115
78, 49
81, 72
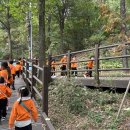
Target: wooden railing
32, 77
32, 80
96, 52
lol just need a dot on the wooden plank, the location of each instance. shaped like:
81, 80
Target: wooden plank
104, 82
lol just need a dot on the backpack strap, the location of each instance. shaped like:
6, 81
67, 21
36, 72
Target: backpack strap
22, 104
3, 93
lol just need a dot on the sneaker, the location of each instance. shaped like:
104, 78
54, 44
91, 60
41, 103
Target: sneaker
3, 118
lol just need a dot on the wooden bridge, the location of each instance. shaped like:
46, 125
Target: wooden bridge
116, 76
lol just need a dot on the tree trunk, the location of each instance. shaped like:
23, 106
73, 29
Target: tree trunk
49, 31
61, 24
42, 33
123, 29
8, 31
62, 46
123, 15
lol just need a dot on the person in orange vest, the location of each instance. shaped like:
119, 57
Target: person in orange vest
21, 63
18, 69
53, 67
74, 66
5, 92
63, 67
23, 111
6, 73
89, 66
13, 72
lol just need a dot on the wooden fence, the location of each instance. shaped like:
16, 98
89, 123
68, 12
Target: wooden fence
96, 52
32, 79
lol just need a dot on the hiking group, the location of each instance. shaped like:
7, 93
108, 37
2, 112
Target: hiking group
23, 109
73, 66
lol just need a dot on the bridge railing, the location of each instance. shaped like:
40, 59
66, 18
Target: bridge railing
31, 75
98, 58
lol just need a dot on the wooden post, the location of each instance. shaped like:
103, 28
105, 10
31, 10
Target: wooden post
33, 81
27, 74
68, 64
49, 65
125, 60
45, 81
27, 68
97, 64
23, 68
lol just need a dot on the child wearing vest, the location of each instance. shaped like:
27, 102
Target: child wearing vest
22, 111
63, 68
74, 66
5, 92
6, 73
18, 69
89, 67
13, 72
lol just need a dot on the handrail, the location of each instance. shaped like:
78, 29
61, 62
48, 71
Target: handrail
96, 52
115, 57
31, 78
36, 66
38, 80
114, 69
37, 92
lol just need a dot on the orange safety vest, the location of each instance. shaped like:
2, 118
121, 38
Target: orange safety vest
64, 61
18, 67
4, 91
12, 68
74, 64
4, 74
90, 64
18, 110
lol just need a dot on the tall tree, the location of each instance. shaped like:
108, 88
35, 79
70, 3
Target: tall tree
123, 15
123, 29
61, 11
5, 21
42, 33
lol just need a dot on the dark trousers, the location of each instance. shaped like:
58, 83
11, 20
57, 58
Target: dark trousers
18, 73
21, 72
63, 70
3, 104
28, 127
13, 81
74, 71
89, 72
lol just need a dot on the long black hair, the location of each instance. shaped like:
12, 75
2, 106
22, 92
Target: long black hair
5, 66
2, 79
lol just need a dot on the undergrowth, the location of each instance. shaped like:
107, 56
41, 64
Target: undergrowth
74, 107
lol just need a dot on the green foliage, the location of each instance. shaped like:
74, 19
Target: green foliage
110, 64
76, 107
96, 38
80, 20
71, 95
